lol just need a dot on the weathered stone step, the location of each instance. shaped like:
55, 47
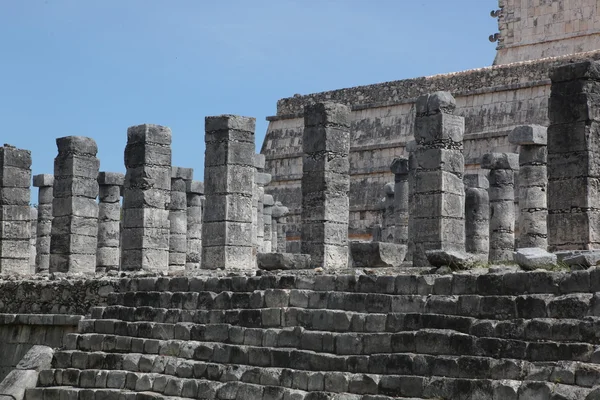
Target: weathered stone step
262, 353
400, 387
514, 283
575, 305
586, 329
184, 365
75, 393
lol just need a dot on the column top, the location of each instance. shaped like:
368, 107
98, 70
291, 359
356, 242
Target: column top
77, 145
529, 135
399, 166
476, 181
195, 187
268, 200
500, 161
111, 178
43, 180
186, 174
149, 133
435, 103
327, 114
572, 71
229, 121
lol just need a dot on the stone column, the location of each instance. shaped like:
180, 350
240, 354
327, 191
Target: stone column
279, 228
268, 204
195, 192
573, 154
261, 180
477, 216
257, 194
75, 210
439, 196
108, 255
15, 179
400, 169
178, 217
411, 146
146, 197
325, 184
533, 185
389, 219
502, 168
228, 182
45, 183
33, 216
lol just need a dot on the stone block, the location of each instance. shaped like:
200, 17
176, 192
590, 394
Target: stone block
399, 166
149, 134
15, 177
268, 201
584, 259
573, 108
229, 122
456, 260
439, 127
573, 137
229, 152
195, 187
476, 181
228, 257
326, 139
10, 156
587, 70
226, 233
493, 161
326, 162
377, 254
186, 174
438, 181
262, 179
140, 154
529, 135
433, 103
111, 178
283, 261
259, 161
228, 179
326, 114
534, 258
43, 180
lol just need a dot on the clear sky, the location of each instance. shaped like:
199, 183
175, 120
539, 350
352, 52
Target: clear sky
94, 68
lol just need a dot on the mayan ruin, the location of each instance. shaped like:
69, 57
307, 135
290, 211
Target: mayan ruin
429, 238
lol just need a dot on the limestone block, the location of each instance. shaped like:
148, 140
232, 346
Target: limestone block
534, 258
476, 181
456, 260
508, 161
37, 358
572, 71
584, 259
186, 174
439, 127
17, 382
195, 187
440, 159
110, 178
377, 254
259, 162
399, 166
283, 261
529, 135
262, 179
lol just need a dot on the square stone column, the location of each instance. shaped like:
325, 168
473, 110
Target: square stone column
477, 216
195, 194
439, 194
33, 217
45, 183
108, 254
573, 154
388, 218
533, 185
268, 204
279, 228
399, 168
325, 184
501, 177
228, 183
146, 198
75, 209
178, 217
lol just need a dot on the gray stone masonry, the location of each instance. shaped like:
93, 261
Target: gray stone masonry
261, 180
439, 195
108, 254
257, 196
74, 235
45, 183
477, 216
325, 184
33, 216
146, 197
229, 186
533, 185
193, 257
388, 217
573, 154
279, 228
501, 177
268, 204
412, 167
400, 169
15, 179
178, 217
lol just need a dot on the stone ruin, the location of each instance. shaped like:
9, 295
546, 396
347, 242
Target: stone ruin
150, 284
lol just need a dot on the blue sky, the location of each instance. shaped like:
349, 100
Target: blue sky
94, 68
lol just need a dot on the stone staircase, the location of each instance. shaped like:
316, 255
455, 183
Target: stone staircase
522, 335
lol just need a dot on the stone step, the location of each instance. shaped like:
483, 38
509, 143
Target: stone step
75, 393
512, 283
117, 319
334, 386
575, 305
186, 365
314, 348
